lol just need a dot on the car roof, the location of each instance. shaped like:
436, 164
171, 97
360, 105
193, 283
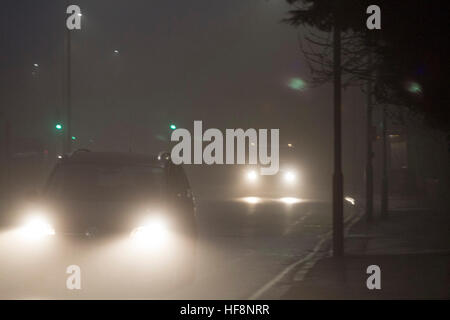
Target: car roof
124, 158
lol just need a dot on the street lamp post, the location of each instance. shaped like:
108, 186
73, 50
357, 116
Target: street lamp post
384, 179
338, 194
68, 144
369, 154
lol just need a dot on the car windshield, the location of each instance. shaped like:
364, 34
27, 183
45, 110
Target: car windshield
93, 182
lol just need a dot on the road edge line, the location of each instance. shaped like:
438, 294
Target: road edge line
356, 216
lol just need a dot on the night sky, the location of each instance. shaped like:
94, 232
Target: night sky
227, 63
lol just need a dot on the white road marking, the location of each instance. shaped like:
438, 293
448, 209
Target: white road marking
300, 275
297, 222
306, 258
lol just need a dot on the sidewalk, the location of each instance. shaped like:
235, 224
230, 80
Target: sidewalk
412, 249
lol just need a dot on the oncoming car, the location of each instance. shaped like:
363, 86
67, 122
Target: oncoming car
285, 186
141, 204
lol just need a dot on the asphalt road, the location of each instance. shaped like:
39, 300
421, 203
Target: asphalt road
242, 248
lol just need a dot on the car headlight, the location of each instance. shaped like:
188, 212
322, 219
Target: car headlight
36, 227
252, 176
290, 177
153, 234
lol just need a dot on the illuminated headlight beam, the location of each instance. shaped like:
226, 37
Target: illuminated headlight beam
152, 235
290, 200
251, 200
252, 176
37, 228
289, 177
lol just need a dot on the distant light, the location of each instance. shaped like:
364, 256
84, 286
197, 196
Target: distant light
290, 145
36, 65
60, 157
414, 87
289, 177
351, 200
252, 200
116, 51
173, 127
297, 84
290, 200
80, 14
252, 176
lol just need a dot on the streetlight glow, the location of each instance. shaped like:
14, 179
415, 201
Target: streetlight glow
297, 84
414, 87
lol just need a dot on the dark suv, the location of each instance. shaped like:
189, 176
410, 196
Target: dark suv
143, 202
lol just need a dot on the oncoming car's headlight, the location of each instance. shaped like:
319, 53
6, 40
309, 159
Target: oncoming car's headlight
154, 234
252, 176
289, 177
36, 227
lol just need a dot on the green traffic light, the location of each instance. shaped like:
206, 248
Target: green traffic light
59, 126
74, 138
297, 84
173, 127
415, 88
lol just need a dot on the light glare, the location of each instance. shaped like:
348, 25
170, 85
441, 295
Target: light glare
37, 228
289, 177
414, 87
290, 200
154, 234
252, 176
351, 200
251, 200
297, 84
